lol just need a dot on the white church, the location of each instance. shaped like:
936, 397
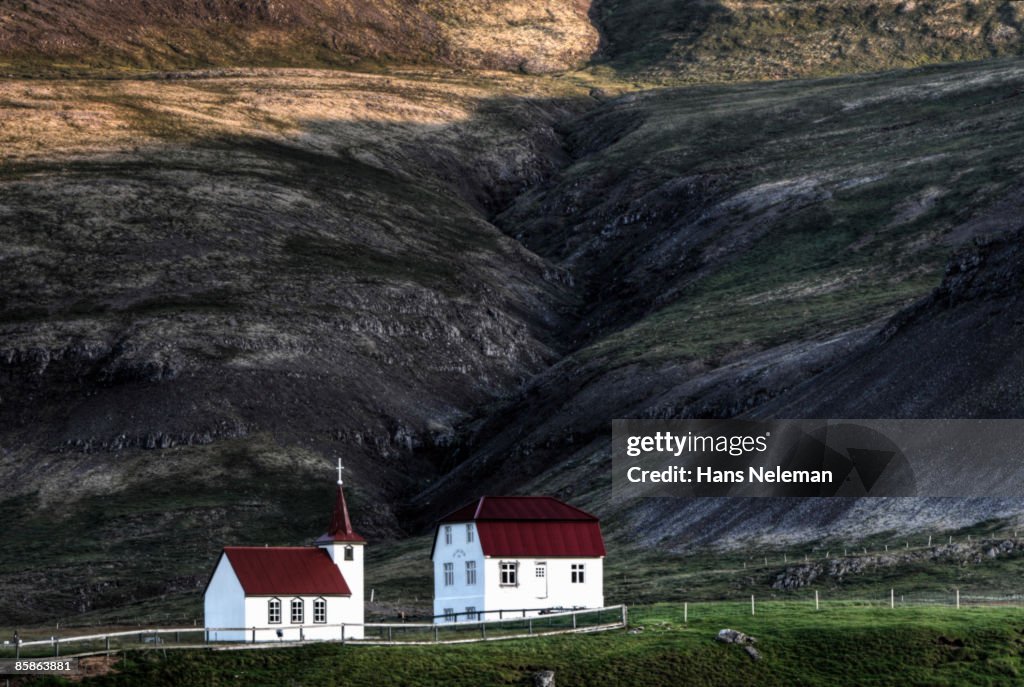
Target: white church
516, 556
290, 592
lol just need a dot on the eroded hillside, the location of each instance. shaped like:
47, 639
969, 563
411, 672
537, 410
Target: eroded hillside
209, 284
535, 35
699, 41
736, 250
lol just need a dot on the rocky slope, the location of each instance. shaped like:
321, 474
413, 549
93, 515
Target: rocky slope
213, 283
749, 40
213, 286
539, 35
740, 250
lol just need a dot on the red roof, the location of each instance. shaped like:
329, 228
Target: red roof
286, 570
341, 524
531, 526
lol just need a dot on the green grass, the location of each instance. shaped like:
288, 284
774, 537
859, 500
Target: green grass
843, 644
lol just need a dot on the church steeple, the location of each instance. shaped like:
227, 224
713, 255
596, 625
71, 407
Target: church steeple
341, 525
345, 548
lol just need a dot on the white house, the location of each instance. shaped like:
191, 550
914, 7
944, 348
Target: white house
521, 554
290, 592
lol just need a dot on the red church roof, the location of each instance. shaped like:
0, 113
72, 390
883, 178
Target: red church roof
341, 524
286, 570
530, 526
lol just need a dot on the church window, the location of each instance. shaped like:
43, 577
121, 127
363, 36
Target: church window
578, 572
350, 553
274, 611
319, 610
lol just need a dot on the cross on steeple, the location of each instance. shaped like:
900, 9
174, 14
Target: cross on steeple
340, 469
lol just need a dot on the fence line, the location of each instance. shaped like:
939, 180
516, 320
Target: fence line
575, 621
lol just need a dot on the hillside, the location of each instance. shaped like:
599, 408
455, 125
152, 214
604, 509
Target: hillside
700, 41
218, 277
212, 286
737, 250
537, 35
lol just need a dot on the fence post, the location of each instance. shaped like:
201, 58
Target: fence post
435, 632
686, 612
958, 598
343, 633
574, 620
107, 641
483, 631
817, 607
751, 604
530, 627
390, 638
929, 540
625, 616
56, 647
253, 634
892, 598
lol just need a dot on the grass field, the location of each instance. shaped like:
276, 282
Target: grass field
842, 644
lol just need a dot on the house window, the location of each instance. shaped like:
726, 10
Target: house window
449, 615
319, 610
471, 613
470, 572
350, 553
448, 534
578, 573
540, 571
509, 574
273, 611
298, 611
449, 574
470, 533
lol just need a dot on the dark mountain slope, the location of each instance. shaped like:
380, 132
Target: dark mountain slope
750, 40
211, 287
956, 354
735, 245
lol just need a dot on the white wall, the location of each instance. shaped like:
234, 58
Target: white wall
353, 610
224, 602
339, 610
554, 590
460, 595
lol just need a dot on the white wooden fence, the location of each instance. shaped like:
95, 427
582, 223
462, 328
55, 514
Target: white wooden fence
517, 626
